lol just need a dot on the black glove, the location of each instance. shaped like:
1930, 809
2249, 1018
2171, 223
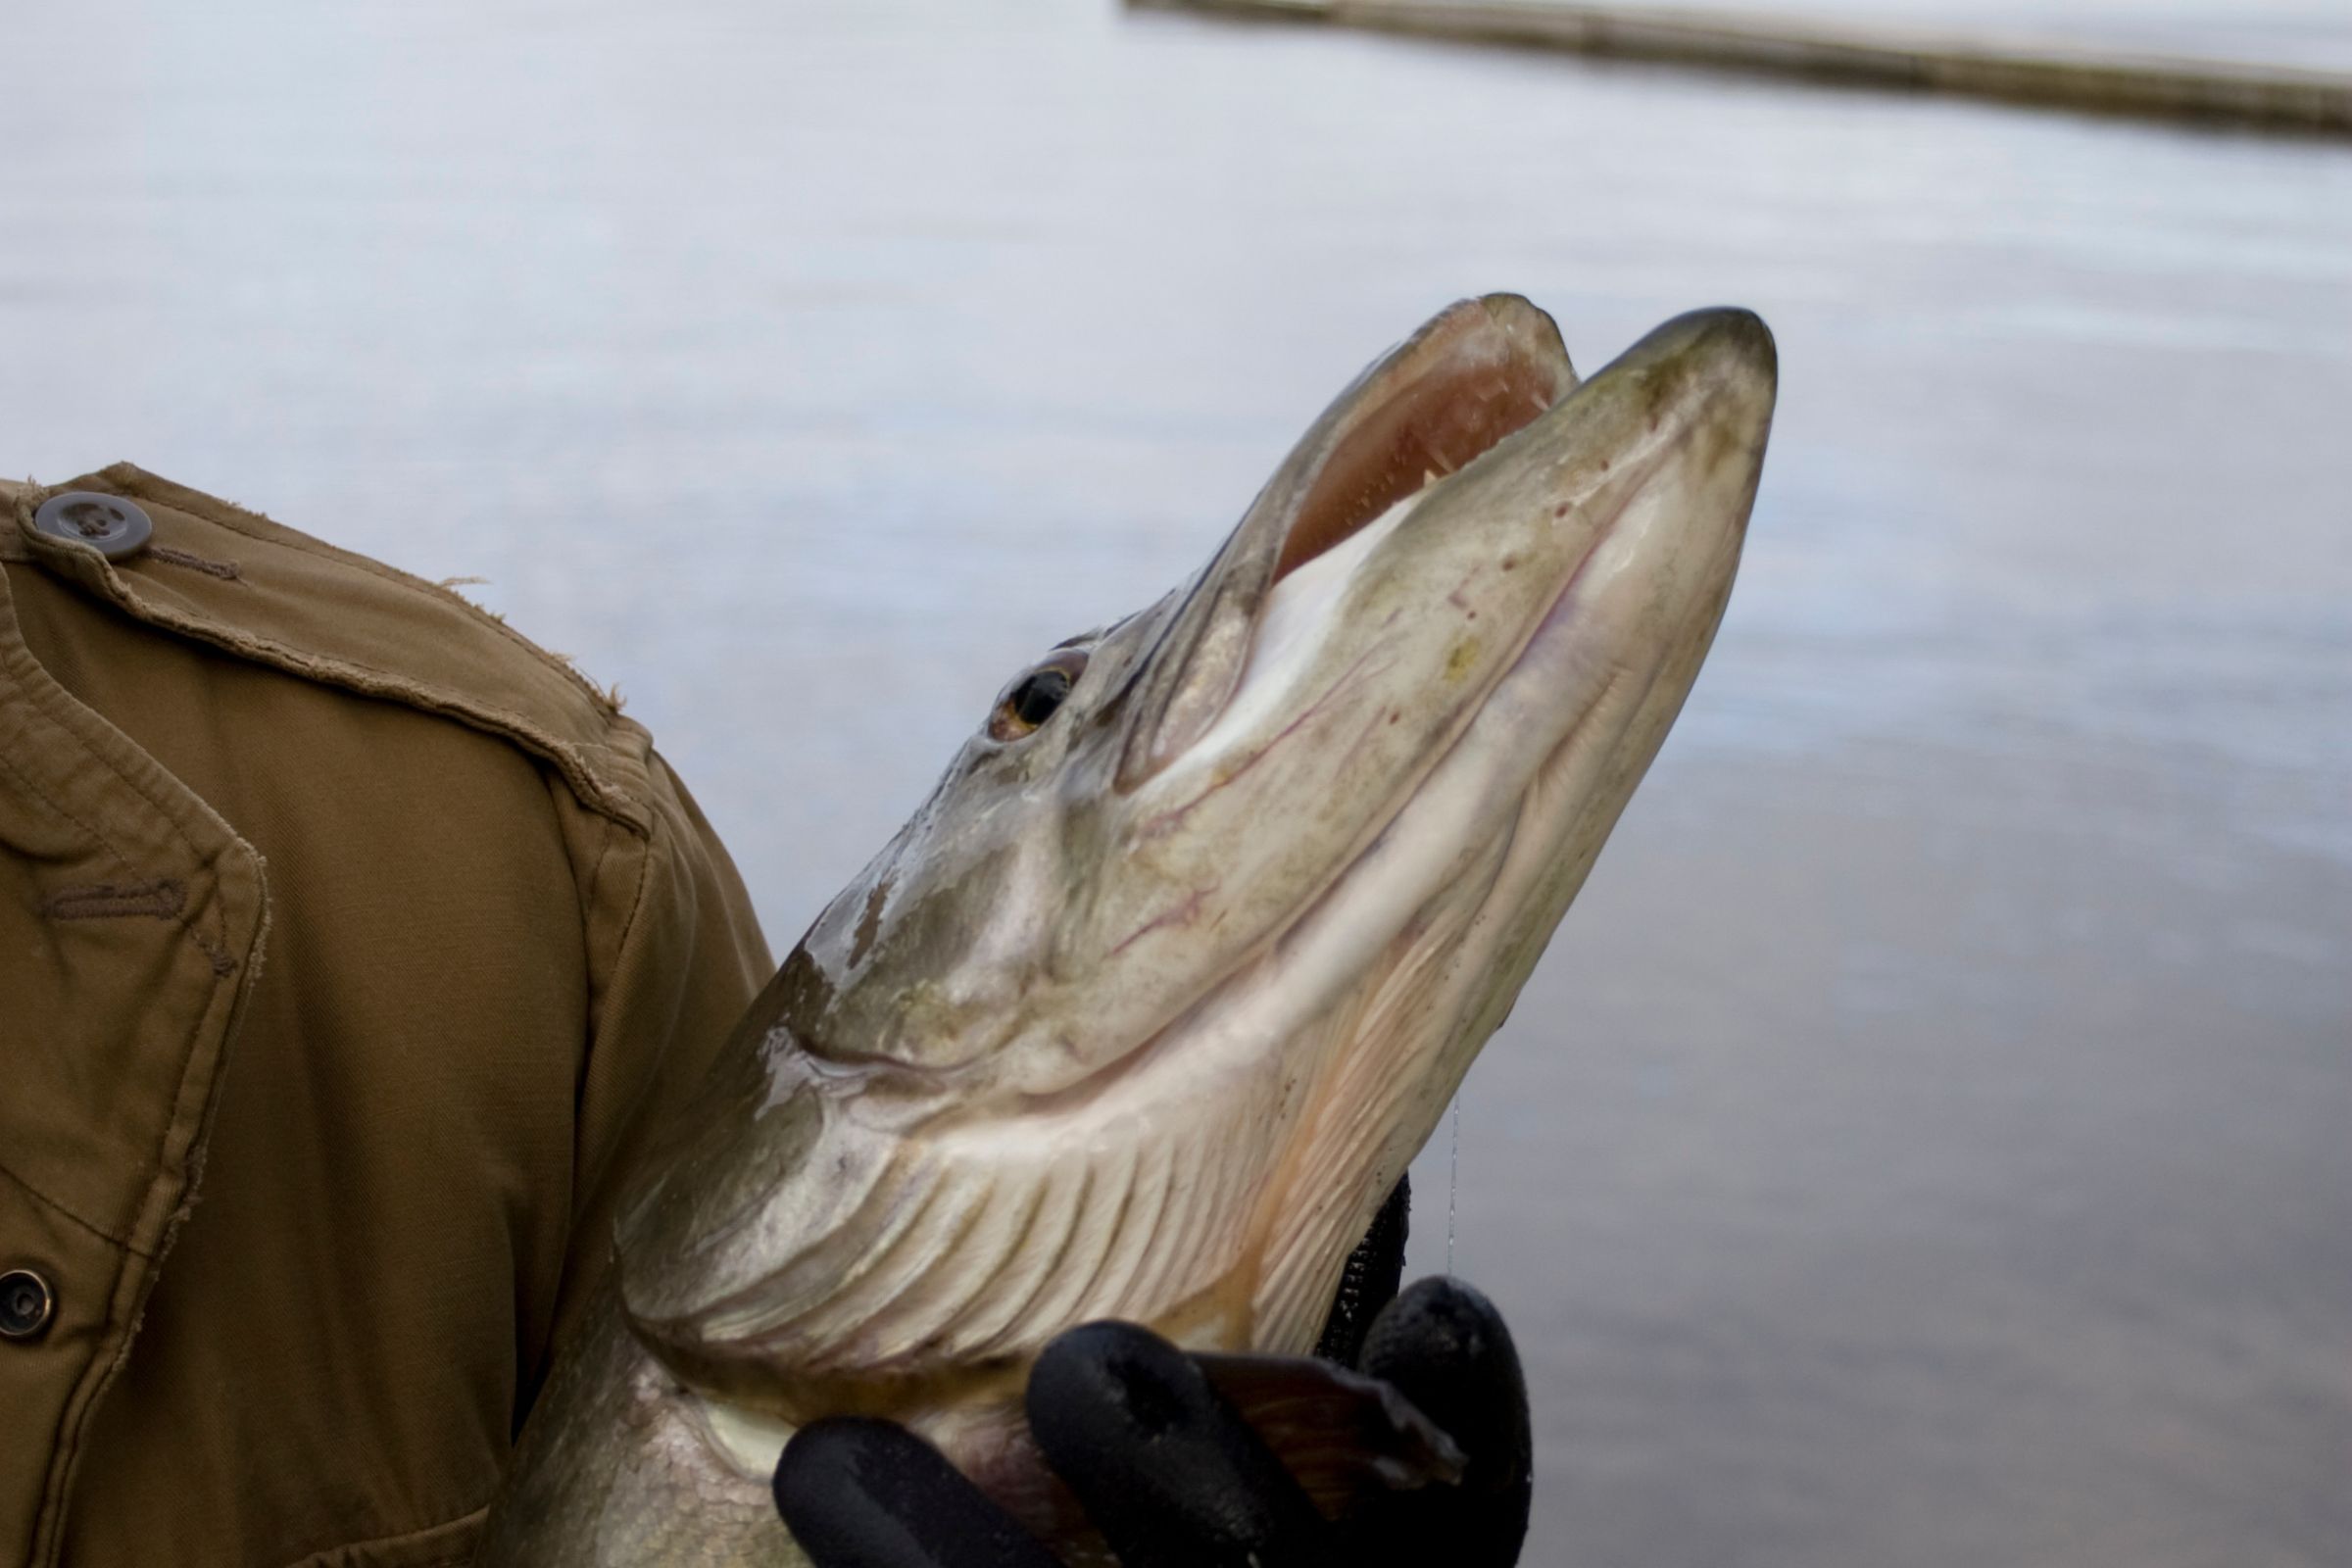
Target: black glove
1172, 1475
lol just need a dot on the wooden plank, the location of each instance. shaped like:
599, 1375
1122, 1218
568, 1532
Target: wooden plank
2012, 70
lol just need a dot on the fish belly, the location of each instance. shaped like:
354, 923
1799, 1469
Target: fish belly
612, 1470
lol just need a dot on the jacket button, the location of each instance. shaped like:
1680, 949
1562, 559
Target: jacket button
113, 526
27, 1304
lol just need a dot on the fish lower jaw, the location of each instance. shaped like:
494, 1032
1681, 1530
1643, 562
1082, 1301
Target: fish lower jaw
1547, 763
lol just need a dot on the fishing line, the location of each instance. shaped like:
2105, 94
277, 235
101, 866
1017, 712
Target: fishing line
1453, 1178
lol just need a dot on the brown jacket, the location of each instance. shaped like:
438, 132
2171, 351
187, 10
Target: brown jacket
324, 886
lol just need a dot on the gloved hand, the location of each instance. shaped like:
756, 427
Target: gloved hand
1169, 1472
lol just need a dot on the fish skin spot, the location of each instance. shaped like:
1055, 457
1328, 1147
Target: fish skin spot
808, 992
869, 921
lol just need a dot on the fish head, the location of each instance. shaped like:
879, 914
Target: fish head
1149, 1006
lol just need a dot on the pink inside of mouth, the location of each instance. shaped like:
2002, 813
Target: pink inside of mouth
1454, 393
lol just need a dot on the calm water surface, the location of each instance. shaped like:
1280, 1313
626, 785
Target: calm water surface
1930, 1139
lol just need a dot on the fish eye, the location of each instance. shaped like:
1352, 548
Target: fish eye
1035, 698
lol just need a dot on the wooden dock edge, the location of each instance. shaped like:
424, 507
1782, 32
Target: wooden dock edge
2013, 71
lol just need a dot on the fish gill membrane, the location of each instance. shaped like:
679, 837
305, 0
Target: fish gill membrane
1152, 1003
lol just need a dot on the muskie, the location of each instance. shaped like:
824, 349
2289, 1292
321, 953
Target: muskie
1153, 1002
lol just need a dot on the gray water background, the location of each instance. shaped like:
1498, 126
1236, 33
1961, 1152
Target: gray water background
1930, 1139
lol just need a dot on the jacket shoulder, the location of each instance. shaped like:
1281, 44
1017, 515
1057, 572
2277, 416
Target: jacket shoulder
221, 574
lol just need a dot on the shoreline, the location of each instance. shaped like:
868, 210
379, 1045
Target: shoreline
2030, 71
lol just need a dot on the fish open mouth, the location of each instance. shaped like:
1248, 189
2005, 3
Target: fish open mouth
1477, 373
1483, 371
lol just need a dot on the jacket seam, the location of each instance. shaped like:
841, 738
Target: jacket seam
229, 515
596, 874
327, 1554
32, 787
383, 685
628, 927
45, 703
51, 1204
647, 871
570, 759
575, 759
213, 952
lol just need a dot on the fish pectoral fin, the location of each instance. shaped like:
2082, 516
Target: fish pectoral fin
1347, 1439
1342, 1436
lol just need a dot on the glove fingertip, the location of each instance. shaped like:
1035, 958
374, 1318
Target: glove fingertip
857, 1492
1444, 1346
1442, 1336
1163, 1464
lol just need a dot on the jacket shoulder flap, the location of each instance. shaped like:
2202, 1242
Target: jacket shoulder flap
221, 574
